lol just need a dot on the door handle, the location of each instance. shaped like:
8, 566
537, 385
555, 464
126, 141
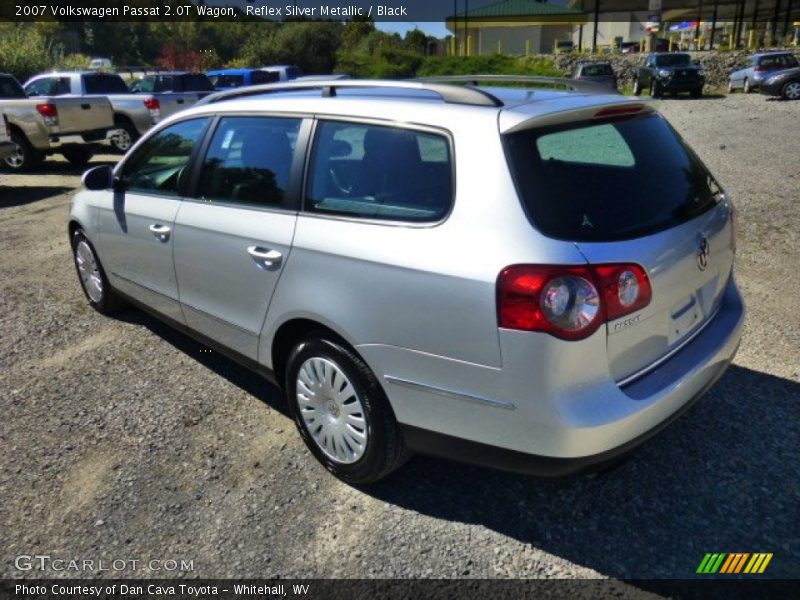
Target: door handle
160, 231
265, 256
180, 100
86, 106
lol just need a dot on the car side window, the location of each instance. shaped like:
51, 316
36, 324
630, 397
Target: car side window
160, 163
145, 85
379, 172
40, 87
249, 161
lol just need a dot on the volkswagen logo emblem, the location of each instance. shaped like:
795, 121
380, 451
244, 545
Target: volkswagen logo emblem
703, 251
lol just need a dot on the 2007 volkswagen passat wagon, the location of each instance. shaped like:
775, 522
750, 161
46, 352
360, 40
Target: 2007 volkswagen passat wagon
532, 280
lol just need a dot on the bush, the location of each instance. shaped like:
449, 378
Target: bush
495, 64
72, 62
23, 52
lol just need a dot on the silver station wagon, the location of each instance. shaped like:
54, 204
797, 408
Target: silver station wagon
534, 280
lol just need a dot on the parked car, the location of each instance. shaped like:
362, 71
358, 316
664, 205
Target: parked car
285, 72
134, 111
580, 326
669, 73
71, 126
7, 147
759, 67
597, 71
101, 64
785, 84
175, 81
630, 47
225, 79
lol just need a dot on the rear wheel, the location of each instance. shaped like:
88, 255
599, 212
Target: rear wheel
124, 138
25, 157
93, 279
791, 91
79, 156
637, 87
746, 88
342, 412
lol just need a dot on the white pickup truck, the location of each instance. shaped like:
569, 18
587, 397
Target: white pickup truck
71, 126
135, 110
7, 147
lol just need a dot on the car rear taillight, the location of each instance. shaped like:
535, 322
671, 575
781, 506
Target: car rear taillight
49, 113
760, 69
569, 302
154, 106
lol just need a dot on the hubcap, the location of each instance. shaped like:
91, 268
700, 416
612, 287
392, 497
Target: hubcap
16, 160
331, 410
793, 91
122, 140
89, 272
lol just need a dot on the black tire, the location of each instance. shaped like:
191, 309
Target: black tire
697, 92
731, 89
122, 143
790, 91
109, 302
78, 156
746, 87
26, 157
384, 450
637, 87
655, 90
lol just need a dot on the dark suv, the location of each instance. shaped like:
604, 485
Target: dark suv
669, 73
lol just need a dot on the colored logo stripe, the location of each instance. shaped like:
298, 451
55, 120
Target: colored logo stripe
731, 563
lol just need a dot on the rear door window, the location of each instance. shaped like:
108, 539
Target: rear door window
377, 172
10, 88
249, 161
99, 83
610, 180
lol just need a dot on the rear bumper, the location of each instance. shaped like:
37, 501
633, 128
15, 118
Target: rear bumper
772, 90
6, 149
551, 413
87, 137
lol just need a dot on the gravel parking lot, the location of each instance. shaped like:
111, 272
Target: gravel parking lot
125, 440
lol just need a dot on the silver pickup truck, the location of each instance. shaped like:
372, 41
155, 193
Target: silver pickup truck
135, 110
71, 126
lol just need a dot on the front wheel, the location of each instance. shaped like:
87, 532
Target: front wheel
747, 87
92, 277
637, 87
697, 92
655, 90
342, 412
791, 91
731, 89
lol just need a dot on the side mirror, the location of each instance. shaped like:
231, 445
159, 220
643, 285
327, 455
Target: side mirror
99, 178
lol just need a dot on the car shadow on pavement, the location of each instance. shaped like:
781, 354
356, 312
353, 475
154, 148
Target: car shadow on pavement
19, 196
723, 478
238, 375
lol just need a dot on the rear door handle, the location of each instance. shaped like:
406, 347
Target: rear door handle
265, 256
160, 231
180, 100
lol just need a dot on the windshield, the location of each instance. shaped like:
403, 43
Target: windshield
104, 84
608, 180
227, 81
673, 60
596, 70
10, 87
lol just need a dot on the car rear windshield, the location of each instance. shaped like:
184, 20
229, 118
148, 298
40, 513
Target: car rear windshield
609, 180
10, 88
104, 84
673, 60
597, 70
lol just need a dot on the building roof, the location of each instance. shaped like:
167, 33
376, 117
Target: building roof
519, 9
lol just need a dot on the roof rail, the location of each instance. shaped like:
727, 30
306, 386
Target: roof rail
575, 85
452, 94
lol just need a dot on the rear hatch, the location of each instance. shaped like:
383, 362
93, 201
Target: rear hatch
79, 114
629, 190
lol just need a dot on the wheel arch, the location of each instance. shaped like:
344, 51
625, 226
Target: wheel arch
290, 332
